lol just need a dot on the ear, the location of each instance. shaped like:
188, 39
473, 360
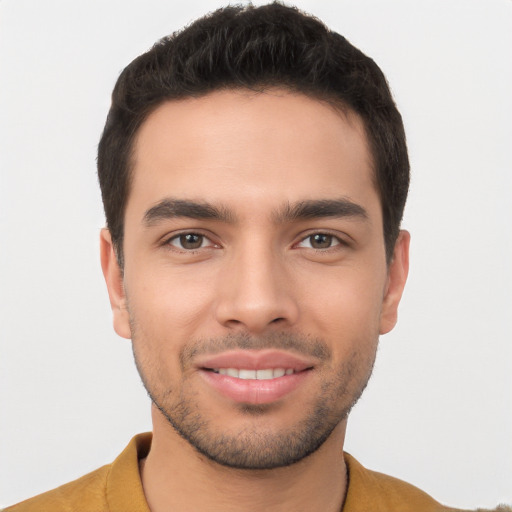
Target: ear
114, 279
397, 276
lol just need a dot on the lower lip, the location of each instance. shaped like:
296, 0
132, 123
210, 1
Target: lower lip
253, 391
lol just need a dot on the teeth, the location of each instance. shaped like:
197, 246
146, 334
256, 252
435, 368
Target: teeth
232, 372
247, 374
265, 374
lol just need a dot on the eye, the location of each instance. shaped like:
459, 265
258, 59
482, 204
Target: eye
190, 241
320, 241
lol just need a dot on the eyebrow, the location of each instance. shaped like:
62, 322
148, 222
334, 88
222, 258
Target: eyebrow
170, 208
175, 208
321, 208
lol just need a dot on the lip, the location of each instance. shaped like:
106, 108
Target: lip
255, 360
253, 391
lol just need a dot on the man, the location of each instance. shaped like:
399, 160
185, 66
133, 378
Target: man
254, 173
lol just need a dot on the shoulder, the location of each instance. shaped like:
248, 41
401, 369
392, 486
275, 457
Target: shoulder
82, 495
370, 490
115, 487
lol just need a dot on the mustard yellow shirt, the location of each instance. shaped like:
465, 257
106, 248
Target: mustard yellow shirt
117, 487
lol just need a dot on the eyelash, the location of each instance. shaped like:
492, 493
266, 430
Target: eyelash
204, 238
334, 240
181, 236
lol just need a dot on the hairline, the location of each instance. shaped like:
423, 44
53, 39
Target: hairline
339, 106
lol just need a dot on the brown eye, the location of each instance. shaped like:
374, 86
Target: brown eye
320, 241
189, 241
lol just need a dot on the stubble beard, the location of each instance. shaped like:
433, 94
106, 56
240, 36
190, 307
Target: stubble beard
254, 447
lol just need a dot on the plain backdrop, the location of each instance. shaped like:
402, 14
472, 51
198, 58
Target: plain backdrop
438, 410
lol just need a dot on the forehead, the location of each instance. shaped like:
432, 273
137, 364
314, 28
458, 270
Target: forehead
252, 146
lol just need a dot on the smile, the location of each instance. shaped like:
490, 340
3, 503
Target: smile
263, 374
255, 376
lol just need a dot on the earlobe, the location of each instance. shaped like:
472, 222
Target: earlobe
115, 286
397, 276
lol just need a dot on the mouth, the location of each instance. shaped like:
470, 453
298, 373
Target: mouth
246, 374
255, 377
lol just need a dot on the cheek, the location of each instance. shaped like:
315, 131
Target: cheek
349, 296
165, 310
346, 311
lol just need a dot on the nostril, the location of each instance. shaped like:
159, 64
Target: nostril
276, 320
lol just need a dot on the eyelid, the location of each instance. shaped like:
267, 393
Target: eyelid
342, 239
166, 240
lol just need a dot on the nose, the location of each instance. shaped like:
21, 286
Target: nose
255, 292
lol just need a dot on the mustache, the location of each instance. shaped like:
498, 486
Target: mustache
298, 343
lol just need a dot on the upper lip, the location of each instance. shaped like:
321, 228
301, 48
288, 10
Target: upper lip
254, 360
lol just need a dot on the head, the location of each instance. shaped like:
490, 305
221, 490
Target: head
254, 172
255, 48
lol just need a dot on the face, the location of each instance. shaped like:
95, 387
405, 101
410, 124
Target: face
255, 283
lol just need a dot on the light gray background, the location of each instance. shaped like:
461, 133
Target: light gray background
438, 411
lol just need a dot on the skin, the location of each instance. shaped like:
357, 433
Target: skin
257, 275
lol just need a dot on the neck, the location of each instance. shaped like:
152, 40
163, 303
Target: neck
176, 477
